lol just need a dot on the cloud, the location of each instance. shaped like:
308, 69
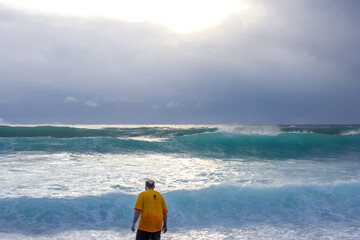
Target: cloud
129, 100
277, 62
88, 103
91, 103
2, 121
70, 100
173, 105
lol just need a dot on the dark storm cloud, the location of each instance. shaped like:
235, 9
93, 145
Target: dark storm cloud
287, 62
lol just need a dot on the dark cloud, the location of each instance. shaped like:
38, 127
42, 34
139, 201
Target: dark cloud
286, 62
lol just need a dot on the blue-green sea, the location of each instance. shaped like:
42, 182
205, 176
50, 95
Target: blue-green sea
219, 181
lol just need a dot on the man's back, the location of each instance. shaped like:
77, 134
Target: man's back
153, 207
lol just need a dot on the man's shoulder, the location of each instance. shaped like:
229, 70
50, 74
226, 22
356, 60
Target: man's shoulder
149, 193
142, 193
156, 192
146, 192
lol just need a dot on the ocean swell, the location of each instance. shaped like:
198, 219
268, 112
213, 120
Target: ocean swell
226, 206
81, 132
211, 145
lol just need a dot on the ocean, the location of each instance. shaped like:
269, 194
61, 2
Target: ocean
219, 181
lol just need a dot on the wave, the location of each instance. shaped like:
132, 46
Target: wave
212, 145
226, 206
323, 129
80, 145
169, 131
287, 146
121, 132
272, 130
278, 205
37, 215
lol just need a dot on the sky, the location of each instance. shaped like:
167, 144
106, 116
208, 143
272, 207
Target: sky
180, 62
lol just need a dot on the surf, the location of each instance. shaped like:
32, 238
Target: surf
222, 182
224, 205
192, 142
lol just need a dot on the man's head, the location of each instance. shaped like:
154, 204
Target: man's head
149, 184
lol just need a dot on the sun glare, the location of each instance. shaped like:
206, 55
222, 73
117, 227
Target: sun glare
178, 15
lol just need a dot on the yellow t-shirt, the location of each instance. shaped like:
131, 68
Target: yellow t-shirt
153, 207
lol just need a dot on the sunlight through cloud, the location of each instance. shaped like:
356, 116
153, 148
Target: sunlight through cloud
178, 15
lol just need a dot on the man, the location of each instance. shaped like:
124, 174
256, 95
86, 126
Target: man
151, 208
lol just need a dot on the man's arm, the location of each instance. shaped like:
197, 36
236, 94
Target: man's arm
136, 217
165, 223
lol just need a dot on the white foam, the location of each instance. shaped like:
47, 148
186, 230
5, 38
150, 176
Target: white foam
332, 231
351, 132
36, 174
251, 129
39, 174
143, 139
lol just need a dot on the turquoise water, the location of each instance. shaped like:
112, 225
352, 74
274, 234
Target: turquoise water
220, 182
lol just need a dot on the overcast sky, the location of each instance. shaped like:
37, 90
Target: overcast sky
266, 62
